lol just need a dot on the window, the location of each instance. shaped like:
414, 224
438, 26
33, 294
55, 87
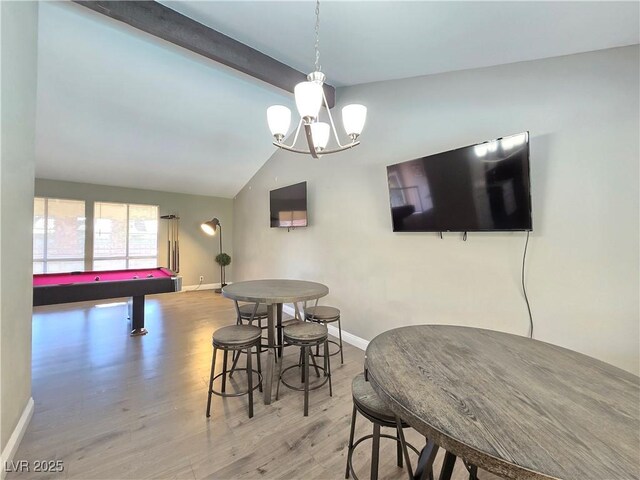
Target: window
125, 236
58, 235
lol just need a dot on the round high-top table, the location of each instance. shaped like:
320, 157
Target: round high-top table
274, 292
517, 407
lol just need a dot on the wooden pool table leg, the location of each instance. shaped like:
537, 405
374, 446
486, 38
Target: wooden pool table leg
137, 316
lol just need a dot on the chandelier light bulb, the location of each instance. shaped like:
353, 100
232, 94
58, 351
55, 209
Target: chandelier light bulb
320, 133
279, 119
308, 100
353, 118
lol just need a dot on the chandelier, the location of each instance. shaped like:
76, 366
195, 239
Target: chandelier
310, 98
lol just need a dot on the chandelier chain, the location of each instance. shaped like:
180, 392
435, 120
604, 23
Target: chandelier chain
317, 45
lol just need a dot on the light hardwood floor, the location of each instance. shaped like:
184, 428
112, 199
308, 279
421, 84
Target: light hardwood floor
114, 407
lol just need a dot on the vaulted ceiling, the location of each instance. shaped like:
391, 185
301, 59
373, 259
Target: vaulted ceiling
120, 107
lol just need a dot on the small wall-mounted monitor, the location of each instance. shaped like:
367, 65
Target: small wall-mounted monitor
289, 206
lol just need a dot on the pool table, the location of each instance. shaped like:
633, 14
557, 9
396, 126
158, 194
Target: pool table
53, 288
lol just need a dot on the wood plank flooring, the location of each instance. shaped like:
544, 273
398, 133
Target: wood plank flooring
114, 407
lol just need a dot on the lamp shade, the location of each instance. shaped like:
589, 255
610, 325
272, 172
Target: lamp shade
308, 99
210, 227
353, 118
320, 134
279, 119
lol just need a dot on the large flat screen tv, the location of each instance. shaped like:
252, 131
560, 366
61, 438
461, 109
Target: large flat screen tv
483, 187
289, 206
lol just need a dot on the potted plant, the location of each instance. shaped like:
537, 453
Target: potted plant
223, 260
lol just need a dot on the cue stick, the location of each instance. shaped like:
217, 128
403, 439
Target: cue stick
178, 243
173, 253
167, 217
173, 242
175, 250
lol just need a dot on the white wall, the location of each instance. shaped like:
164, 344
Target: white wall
19, 41
197, 250
582, 112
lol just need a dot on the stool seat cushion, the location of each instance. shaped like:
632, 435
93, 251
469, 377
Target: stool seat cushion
246, 310
235, 335
321, 312
289, 321
368, 400
305, 332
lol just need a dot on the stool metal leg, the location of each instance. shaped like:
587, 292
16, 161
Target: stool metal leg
250, 382
340, 334
328, 371
399, 448
403, 445
224, 371
258, 348
315, 365
324, 359
306, 380
235, 357
213, 367
279, 329
375, 451
279, 377
350, 448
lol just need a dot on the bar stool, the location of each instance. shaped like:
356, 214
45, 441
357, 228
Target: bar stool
306, 335
370, 405
250, 312
325, 314
235, 338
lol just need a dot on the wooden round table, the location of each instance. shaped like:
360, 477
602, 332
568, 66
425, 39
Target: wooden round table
274, 292
517, 407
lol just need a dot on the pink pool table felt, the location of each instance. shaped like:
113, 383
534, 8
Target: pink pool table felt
105, 276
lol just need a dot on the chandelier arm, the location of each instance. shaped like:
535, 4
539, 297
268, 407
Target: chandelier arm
291, 149
341, 149
308, 134
333, 126
324, 152
295, 137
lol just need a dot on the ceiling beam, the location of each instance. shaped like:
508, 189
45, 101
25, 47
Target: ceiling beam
162, 22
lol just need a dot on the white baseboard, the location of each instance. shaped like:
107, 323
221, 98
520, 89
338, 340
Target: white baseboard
347, 337
204, 286
16, 437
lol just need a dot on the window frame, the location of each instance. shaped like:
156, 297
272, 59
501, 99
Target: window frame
127, 257
45, 246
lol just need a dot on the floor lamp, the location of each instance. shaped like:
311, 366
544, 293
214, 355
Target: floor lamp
210, 229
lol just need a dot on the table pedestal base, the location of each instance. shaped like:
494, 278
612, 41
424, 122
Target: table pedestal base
424, 470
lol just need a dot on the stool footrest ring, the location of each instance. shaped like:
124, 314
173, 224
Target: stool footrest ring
337, 352
237, 394
301, 389
368, 437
